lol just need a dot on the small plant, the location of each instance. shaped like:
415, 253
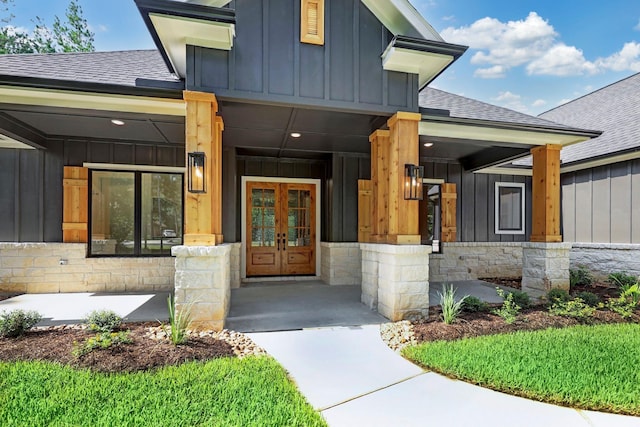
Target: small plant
521, 298
450, 307
626, 303
103, 320
179, 322
101, 341
14, 323
509, 310
580, 276
557, 295
575, 308
475, 305
589, 298
622, 280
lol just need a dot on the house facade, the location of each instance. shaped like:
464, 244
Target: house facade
292, 138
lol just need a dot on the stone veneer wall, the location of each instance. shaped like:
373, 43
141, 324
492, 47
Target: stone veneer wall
545, 266
36, 268
340, 263
471, 260
603, 259
234, 261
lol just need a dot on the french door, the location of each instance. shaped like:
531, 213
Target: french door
281, 230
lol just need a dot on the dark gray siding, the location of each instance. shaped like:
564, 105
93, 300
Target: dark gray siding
601, 205
343, 209
269, 64
31, 189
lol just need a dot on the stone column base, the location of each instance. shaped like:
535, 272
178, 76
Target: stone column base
545, 266
202, 284
395, 280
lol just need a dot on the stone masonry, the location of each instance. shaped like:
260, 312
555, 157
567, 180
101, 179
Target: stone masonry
64, 267
401, 275
603, 259
472, 260
340, 263
202, 284
545, 266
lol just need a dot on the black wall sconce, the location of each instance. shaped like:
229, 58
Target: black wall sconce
196, 173
413, 182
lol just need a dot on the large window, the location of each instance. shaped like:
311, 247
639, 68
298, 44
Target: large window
430, 208
135, 213
509, 208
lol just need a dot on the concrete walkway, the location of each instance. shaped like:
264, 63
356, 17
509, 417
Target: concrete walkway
354, 379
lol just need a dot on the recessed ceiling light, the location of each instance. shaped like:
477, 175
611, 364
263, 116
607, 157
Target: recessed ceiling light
428, 144
117, 122
296, 134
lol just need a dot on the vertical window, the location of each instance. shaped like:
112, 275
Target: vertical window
430, 210
509, 208
135, 213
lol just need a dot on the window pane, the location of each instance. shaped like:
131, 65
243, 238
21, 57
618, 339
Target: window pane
161, 224
510, 208
112, 213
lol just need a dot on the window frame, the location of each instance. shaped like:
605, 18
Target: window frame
523, 216
137, 203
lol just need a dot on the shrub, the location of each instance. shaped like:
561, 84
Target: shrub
179, 322
575, 308
580, 276
521, 298
474, 305
626, 303
622, 280
450, 307
509, 310
557, 295
589, 298
14, 323
102, 341
103, 320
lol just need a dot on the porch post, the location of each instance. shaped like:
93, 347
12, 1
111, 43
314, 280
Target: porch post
203, 211
545, 259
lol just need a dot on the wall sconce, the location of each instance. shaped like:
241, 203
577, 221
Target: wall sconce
413, 182
196, 173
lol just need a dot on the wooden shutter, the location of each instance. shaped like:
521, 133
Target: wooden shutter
75, 214
448, 217
365, 209
312, 21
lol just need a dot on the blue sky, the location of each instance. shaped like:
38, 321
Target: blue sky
529, 55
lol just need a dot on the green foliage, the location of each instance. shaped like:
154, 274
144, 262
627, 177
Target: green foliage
254, 391
622, 280
71, 35
626, 303
475, 305
179, 322
542, 365
575, 308
450, 307
102, 341
557, 295
589, 298
580, 276
15, 322
103, 320
521, 298
509, 310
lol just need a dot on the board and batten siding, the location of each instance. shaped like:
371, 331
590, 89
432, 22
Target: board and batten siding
268, 63
602, 205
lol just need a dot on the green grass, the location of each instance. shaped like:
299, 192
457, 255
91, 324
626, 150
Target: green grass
590, 367
224, 392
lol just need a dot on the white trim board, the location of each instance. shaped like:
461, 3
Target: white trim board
126, 167
243, 217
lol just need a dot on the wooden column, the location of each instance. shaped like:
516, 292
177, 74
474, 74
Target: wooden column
203, 212
364, 210
546, 194
379, 185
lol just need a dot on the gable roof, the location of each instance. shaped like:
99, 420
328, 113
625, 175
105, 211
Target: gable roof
614, 109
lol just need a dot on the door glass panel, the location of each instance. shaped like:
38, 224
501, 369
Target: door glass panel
269, 197
269, 217
298, 218
263, 217
161, 212
269, 237
293, 198
256, 197
112, 213
256, 237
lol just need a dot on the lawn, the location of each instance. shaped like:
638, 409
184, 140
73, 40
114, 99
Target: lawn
254, 391
589, 367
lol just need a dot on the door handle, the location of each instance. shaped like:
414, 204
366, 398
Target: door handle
278, 240
284, 242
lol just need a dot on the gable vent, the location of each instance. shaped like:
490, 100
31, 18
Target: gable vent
312, 21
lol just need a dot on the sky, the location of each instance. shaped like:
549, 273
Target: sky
527, 55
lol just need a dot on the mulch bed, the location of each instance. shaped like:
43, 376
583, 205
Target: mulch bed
143, 354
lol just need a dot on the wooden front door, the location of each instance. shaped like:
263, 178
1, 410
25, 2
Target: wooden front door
281, 230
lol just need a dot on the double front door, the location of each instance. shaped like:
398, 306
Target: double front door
281, 231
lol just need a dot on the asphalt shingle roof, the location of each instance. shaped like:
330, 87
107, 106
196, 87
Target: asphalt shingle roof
117, 68
614, 109
467, 108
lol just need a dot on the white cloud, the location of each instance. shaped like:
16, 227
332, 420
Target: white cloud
507, 96
539, 103
495, 72
511, 100
449, 18
628, 58
562, 60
